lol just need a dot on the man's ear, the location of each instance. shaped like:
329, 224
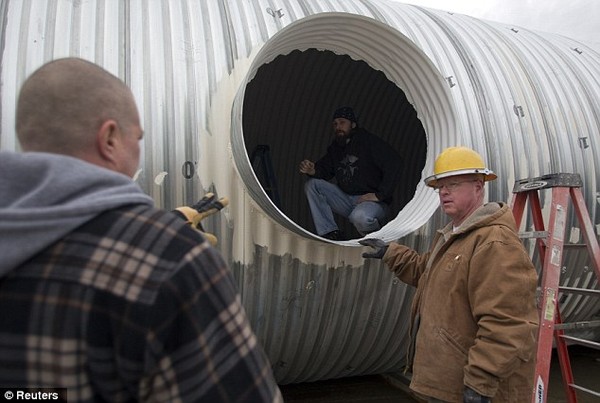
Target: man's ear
107, 139
353, 125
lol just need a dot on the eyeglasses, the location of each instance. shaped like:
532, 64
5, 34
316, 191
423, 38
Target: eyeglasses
451, 186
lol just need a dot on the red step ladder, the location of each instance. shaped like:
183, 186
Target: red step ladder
550, 244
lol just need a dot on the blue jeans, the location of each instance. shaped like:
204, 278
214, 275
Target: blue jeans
325, 198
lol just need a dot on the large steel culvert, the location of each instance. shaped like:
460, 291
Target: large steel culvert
315, 65
214, 79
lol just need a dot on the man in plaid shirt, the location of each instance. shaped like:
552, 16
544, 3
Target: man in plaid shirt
100, 292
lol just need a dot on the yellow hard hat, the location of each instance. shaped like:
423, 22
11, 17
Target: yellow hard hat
458, 161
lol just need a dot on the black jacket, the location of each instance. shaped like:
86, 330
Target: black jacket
366, 164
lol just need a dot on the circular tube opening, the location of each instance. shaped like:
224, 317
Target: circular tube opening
282, 114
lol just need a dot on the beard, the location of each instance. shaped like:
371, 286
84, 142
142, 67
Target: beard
342, 138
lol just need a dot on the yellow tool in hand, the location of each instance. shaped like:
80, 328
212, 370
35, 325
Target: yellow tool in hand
205, 207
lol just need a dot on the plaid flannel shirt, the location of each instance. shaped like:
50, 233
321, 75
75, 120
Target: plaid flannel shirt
132, 306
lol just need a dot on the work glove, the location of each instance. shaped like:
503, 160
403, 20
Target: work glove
470, 396
377, 244
205, 207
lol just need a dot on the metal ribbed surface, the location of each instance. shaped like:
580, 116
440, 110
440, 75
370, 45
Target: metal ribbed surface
306, 101
215, 78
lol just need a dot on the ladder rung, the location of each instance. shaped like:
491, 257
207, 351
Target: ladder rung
533, 234
577, 325
581, 291
583, 342
581, 388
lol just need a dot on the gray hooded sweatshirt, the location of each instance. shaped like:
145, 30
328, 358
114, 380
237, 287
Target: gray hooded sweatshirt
43, 197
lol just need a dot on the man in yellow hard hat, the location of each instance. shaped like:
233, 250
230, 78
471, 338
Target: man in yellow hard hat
474, 319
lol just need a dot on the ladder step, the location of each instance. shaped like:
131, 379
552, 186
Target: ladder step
577, 325
581, 388
548, 181
582, 342
581, 291
533, 234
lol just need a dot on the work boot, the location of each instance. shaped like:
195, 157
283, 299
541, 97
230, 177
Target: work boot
333, 235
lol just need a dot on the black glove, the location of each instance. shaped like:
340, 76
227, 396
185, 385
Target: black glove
470, 396
205, 207
377, 244
209, 205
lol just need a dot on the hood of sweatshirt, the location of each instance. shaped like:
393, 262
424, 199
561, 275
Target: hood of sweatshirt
492, 213
43, 197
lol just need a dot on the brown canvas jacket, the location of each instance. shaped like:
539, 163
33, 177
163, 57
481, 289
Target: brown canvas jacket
475, 302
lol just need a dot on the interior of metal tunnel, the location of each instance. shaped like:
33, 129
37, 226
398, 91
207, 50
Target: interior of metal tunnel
288, 108
282, 114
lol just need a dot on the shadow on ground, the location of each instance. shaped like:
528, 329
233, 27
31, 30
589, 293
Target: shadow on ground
585, 363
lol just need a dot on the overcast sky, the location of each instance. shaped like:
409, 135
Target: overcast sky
576, 19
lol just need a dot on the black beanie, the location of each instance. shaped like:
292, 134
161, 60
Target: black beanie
345, 112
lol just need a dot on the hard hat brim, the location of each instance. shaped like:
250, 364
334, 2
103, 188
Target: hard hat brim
488, 175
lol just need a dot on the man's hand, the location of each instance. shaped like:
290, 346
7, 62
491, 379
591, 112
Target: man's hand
470, 396
368, 197
209, 205
205, 207
377, 244
307, 167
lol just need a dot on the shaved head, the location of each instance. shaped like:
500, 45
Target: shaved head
64, 103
